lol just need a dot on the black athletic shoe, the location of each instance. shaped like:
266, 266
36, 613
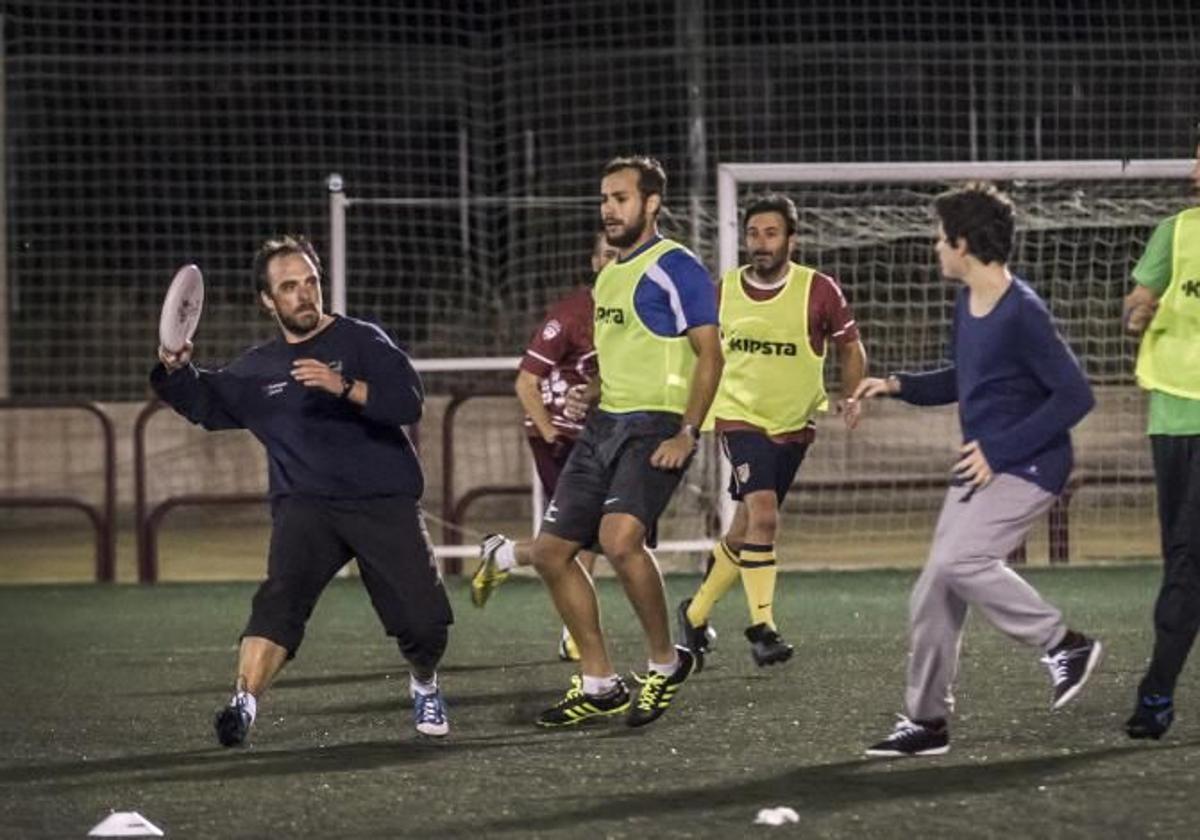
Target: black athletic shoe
232, 724
767, 646
699, 640
658, 690
1152, 717
911, 738
576, 707
1070, 666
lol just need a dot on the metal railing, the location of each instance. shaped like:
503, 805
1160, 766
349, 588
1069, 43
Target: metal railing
101, 516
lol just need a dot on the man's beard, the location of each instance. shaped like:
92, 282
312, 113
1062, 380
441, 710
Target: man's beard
772, 269
630, 235
296, 326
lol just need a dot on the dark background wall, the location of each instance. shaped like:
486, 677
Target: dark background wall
142, 135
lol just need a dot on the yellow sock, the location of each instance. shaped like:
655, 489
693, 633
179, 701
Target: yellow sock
758, 579
721, 576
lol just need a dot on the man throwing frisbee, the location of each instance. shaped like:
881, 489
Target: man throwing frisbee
328, 398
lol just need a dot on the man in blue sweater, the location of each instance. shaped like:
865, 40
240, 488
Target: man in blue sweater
1019, 391
328, 399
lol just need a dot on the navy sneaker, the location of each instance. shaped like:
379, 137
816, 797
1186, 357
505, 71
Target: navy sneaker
1070, 666
913, 738
429, 714
1152, 717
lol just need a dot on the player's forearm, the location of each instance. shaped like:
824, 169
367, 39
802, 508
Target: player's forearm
401, 404
853, 358
706, 376
935, 387
189, 391
529, 393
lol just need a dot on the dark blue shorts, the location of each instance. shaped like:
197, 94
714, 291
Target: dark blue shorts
758, 463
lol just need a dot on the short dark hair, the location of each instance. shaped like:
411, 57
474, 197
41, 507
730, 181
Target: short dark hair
774, 203
652, 178
276, 246
982, 215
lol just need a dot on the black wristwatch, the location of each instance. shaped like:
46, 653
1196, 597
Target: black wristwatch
691, 430
348, 383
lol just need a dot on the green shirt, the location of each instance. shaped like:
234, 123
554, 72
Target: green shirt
1167, 413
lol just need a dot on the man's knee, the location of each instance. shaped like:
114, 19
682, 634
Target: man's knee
762, 512
550, 555
622, 538
279, 613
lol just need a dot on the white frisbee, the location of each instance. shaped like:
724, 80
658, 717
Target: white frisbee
181, 309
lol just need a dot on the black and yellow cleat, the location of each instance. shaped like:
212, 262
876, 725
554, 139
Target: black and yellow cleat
576, 707
659, 690
488, 576
568, 651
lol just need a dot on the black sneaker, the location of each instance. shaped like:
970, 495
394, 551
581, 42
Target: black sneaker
767, 646
911, 738
699, 640
658, 690
232, 724
1070, 666
1152, 717
576, 707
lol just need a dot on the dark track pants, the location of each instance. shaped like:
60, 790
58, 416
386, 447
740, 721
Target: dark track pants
1177, 610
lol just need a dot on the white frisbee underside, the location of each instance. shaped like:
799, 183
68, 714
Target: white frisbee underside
181, 309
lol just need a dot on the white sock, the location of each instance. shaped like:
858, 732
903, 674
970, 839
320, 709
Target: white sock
415, 686
599, 686
664, 668
248, 703
506, 555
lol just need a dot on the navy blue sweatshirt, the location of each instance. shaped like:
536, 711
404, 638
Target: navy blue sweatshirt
317, 443
1018, 386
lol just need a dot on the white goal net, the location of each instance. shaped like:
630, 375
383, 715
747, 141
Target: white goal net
871, 495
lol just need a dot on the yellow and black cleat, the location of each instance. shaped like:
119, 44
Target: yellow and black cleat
576, 707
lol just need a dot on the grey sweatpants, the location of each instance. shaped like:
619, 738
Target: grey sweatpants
967, 566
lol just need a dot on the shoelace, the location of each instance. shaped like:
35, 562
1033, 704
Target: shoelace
429, 708
1058, 664
575, 692
905, 728
652, 686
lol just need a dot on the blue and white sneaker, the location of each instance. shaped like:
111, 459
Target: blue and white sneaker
429, 714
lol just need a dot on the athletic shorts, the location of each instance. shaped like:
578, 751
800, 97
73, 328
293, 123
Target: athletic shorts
312, 538
759, 463
549, 460
609, 472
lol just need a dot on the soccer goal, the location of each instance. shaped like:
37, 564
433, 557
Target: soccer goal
463, 281
872, 494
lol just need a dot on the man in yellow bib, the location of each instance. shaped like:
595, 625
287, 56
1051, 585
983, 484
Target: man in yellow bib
1164, 308
659, 354
777, 317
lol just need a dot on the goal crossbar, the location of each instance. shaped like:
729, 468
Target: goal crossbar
729, 175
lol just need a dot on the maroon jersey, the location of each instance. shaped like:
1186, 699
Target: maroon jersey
561, 354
